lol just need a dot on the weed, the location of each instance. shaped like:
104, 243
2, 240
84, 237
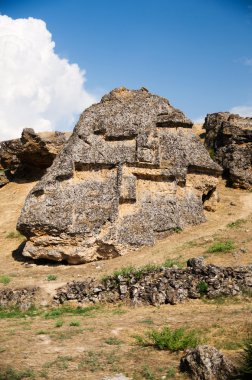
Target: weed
74, 323
59, 323
236, 224
202, 287
211, 152
170, 373
113, 341
51, 277
91, 361
147, 373
225, 246
68, 310
5, 279
245, 370
15, 312
12, 374
231, 345
169, 263
167, 339
41, 332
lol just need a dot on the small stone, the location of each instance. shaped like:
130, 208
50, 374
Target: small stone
232, 204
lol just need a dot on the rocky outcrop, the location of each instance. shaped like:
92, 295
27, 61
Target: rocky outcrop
230, 139
131, 172
3, 178
30, 155
161, 285
206, 363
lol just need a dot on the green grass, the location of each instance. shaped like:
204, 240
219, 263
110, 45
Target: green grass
5, 279
237, 223
225, 246
202, 287
13, 374
74, 324
113, 341
15, 312
245, 370
211, 152
51, 277
167, 339
59, 323
169, 263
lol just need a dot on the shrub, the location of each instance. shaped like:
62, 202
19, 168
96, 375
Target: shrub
5, 280
167, 339
236, 224
74, 323
245, 370
12, 374
51, 277
202, 287
59, 323
225, 246
113, 341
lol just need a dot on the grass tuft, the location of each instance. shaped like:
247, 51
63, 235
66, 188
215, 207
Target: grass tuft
5, 279
167, 339
51, 277
225, 246
13, 374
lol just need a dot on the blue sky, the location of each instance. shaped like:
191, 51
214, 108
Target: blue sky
196, 53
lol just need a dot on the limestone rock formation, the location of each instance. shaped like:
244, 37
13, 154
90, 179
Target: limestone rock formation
230, 138
206, 363
32, 153
131, 172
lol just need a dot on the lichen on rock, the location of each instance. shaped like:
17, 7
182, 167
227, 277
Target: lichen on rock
131, 172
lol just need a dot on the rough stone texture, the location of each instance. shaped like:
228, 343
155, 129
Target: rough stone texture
206, 363
161, 286
131, 172
230, 136
32, 153
3, 178
24, 298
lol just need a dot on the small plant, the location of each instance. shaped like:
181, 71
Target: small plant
167, 339
12, 374
41, 332
147, 321
147, 373
245, 370
51, 277
59, 323
170, 373
225, 246
177, 230
236, 224
202, 287
211, 152
169, 263
74, 323
5, 279
113, 341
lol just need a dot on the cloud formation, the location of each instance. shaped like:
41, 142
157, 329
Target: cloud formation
38, 89
245, 111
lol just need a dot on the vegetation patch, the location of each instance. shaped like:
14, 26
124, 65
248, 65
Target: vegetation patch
113, 341
5, 279
15, 235
51, 277
236, 224
245, 370
202, 287
168, 339
13, 374
225, 246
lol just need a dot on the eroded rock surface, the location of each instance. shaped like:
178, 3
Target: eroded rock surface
230, 138
206, 363
131, 172
30, 155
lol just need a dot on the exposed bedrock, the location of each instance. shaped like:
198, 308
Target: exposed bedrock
230, 138
131, 172
28, 157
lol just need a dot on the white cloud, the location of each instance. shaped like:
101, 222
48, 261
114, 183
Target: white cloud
245, 111
199, 120
37, 88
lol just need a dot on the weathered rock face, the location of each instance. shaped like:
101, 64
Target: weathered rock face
206, 363
230, 136
32, 153
131, 172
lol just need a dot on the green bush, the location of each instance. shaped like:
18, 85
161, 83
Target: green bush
225, 246
202, 287
12, 374
167, 339
51, 277
113, 341
245, 370
5, 280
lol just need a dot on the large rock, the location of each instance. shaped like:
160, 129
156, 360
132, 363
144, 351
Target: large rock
31, 154
131, 172
206, 363
230, 138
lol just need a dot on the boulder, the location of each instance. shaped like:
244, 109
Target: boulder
206, 363
131, 172
30, 155
3, 178
230, 139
